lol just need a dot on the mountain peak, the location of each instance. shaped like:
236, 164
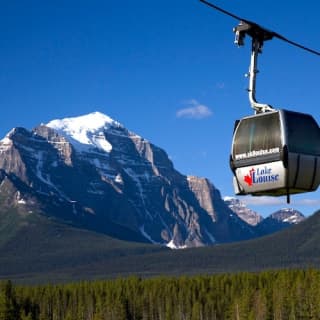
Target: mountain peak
90, 122
288, 215
242, 211
86, 131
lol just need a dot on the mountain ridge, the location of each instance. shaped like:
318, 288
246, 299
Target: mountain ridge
276, 221
92, 171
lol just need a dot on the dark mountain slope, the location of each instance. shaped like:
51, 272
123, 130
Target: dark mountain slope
298, 246
35, 244
101, 257
42, 248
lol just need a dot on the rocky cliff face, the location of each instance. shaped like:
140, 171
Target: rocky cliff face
92, 172
242, 211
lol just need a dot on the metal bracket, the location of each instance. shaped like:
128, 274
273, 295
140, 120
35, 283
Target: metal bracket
258, 35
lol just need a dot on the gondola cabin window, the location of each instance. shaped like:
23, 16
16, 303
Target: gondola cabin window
256, 136
303, 134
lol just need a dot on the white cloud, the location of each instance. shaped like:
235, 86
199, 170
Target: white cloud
194, 110
307, 202
263, 201
220, 85
278, 201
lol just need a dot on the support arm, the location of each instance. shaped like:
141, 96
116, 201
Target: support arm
256, 49
258, 36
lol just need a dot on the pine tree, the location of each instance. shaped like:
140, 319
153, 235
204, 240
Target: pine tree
9, 309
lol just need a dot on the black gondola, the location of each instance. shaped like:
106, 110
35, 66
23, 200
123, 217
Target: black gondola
276, 153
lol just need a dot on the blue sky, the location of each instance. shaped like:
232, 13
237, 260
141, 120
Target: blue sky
167, 70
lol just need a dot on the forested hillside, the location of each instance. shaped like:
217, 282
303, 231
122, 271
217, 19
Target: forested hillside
286, 294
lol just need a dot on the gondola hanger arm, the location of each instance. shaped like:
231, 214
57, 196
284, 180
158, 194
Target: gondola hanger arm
258, 35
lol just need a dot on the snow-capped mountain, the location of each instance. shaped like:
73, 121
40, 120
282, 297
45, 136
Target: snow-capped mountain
91, 172
279, 220
86, 133
288, 215
276, 221
242, 211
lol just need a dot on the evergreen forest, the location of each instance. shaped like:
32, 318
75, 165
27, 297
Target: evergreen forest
276, 295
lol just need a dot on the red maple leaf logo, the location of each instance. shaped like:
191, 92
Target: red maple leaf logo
248, 178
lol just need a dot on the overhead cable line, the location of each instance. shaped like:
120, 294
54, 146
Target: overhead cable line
253, 29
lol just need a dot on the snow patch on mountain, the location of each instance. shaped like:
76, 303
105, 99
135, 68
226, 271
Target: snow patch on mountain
86, 132
292, 220
118, 179
6, 142
171, 245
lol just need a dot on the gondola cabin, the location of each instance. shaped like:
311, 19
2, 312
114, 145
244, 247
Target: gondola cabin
276, 153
